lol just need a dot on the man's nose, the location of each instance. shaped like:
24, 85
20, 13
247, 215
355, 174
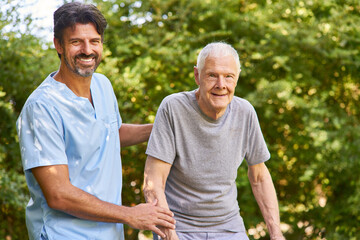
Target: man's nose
86, 49
220, 82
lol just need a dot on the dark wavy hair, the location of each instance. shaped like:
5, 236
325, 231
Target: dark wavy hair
72, 13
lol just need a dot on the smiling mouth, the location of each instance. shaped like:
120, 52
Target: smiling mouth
86, 59
86, 62
219, 95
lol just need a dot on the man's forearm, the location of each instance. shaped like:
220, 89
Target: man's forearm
61, 195
86, 206
265, 195
152, 194
155, 175
132, 134
154, 186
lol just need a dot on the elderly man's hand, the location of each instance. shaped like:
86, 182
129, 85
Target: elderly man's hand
170, 234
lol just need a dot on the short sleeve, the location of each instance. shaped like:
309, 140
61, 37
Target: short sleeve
116, 106
161, 144
257, 151
41, 137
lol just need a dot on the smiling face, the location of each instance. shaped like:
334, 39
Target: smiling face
81, 49
217, 81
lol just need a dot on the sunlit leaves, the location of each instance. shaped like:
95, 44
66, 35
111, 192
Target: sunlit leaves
24, 63
300, 67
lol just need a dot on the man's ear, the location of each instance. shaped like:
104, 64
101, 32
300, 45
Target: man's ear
197, 75
58, 46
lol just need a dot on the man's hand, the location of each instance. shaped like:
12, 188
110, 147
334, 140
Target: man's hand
170, 234
148, 216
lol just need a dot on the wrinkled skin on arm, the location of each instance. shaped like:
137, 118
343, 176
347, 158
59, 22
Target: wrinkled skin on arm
265, 195
155, 175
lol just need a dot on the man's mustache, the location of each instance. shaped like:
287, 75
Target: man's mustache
86, 56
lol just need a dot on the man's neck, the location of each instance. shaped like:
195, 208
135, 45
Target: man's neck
215, 115
80, 86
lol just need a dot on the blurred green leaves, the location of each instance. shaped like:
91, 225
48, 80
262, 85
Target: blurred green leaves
300, 69
24, 63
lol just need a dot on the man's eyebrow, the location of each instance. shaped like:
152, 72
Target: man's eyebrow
225, 73
73, 39
80, 39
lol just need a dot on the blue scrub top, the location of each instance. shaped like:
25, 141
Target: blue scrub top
58, 127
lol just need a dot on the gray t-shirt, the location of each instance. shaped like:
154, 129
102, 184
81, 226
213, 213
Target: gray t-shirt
205, 155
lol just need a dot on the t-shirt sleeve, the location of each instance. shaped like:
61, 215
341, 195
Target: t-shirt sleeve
161, 144
257, 151
41, 139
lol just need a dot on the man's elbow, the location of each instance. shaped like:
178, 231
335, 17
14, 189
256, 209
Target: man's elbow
256, 179
56, 201
151, 189
149, 194
257, 174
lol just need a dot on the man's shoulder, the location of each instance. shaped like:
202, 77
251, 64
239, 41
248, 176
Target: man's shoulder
176, 102
101, 78
42, 93
238, 101
241, 104
177, 97
41, 99
100, 81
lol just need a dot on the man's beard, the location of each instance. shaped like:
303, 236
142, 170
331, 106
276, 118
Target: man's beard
78, 70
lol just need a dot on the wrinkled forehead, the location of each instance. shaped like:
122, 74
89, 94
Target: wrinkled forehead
80, 30
223, 62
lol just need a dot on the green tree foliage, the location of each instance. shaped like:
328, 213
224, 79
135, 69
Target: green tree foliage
24, 62
300, 65
300, 61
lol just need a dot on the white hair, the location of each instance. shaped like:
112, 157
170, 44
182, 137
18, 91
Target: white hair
217, 49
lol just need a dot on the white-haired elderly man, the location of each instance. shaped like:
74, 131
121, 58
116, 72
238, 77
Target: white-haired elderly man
198, 141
